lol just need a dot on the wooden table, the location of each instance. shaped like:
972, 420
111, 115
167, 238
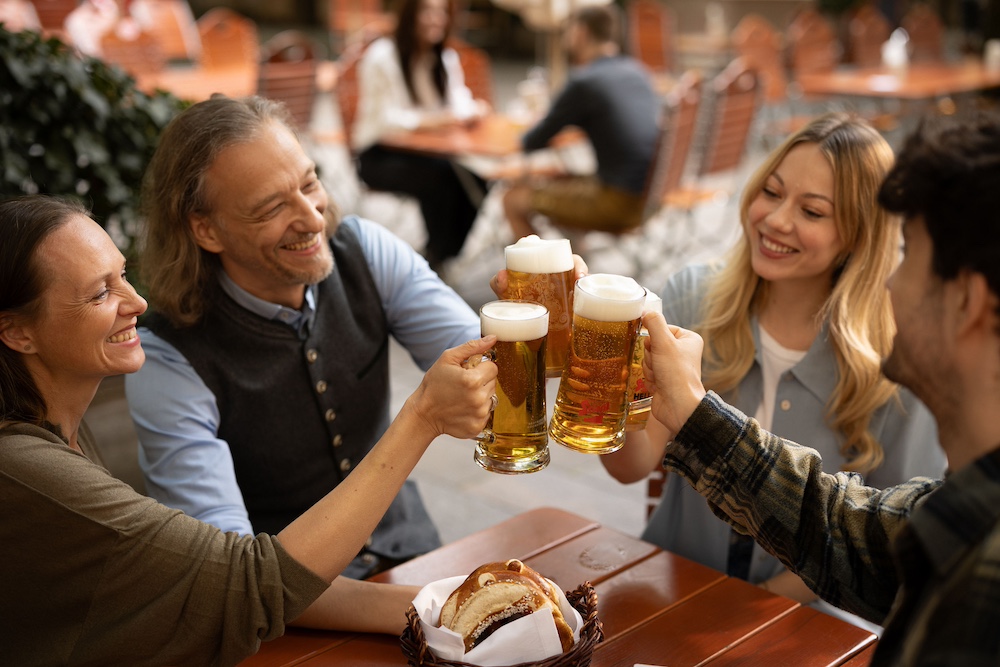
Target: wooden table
657, 608
920, 81
200, 83
495, 136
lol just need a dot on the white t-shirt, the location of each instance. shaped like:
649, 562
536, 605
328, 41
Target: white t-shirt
776, 360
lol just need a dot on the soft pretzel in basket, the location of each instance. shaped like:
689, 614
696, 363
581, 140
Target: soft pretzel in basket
496, 594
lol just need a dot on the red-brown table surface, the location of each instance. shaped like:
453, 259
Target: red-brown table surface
657, 608
919, 81
495, 135
200, 83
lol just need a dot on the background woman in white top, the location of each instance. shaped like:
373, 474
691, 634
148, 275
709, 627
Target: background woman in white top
796, 322
412, 80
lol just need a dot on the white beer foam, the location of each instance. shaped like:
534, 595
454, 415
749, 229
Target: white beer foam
605, 297
534, 255
514, 320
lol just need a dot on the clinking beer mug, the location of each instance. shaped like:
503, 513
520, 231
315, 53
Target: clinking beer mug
640, 396
541, 270
592, 402
514, 439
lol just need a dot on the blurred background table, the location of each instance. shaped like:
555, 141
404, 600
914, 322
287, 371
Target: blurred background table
657, 608
919, 81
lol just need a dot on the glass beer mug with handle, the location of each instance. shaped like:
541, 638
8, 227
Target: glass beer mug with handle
592, 402
515, 439
640, 396
541, 270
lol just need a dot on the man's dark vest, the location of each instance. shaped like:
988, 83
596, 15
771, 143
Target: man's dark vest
300, 414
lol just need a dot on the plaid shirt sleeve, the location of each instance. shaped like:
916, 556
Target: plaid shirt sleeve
832, 530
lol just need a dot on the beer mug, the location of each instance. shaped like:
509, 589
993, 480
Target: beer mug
541, 270
514, 439
640, 396
591, 404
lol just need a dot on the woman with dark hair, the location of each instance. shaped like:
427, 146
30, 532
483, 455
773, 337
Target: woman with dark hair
409, 81
96, 573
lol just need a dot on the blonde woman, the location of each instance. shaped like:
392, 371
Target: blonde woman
796, 321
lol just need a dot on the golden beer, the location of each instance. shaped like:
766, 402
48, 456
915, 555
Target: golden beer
640, 395
541, 270
515, 439
592, 402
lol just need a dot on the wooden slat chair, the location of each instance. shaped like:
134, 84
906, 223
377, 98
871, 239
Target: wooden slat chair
477, 69
137, 53
228, 40
172, 23
350, 21
735, 99
867, 31
923, 24
288, 74
52, 13
811, 43
650, 37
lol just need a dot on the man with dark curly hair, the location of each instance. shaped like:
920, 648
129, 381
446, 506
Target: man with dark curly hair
922, 557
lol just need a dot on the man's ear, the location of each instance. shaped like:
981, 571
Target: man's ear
974, 307
205, 234
15, 336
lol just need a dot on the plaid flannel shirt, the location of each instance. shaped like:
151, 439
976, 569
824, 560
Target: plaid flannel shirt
922, 557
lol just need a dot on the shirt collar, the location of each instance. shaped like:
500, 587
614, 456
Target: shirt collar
817, 371
300, 320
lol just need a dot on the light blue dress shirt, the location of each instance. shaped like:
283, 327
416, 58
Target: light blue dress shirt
186, 464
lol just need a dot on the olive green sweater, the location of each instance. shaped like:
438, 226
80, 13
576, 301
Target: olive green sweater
93, 573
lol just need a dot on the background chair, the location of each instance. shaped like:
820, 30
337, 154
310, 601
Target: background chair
760, 48
650, 37
923, 25
228, 40
288, 74
735, 94
477, 68
52, 13
354, 20
867, 31
137, 53
172, 24
811, 43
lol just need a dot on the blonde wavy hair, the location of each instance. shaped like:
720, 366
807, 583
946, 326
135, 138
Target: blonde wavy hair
857, 309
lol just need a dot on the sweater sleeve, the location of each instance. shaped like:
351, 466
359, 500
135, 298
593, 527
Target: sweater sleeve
126, 579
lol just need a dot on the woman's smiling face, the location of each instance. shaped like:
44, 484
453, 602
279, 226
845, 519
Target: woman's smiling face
791, 223
84, 327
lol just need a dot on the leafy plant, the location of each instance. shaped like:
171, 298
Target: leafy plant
72, 125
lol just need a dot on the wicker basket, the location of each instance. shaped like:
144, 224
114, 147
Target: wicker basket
583, 599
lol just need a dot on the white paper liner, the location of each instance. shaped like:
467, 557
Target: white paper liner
528, 639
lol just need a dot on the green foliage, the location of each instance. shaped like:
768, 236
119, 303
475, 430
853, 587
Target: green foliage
76, 126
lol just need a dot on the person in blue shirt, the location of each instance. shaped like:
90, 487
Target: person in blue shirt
267, 376
610, 97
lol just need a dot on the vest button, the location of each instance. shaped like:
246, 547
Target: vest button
338, 440
345, 465
311, 355
330, 415
369, 559
786, 405
321, 386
